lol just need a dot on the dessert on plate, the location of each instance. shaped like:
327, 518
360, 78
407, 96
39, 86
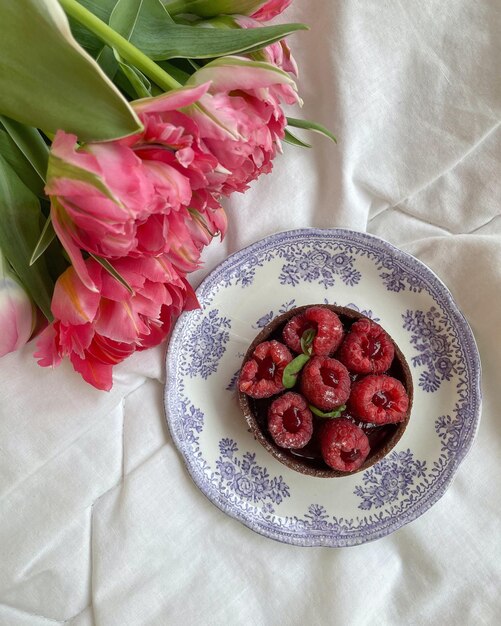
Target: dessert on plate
326, 390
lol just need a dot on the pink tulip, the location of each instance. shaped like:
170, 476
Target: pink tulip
17, 314
172, 137
270, 9
131, 197
278, 53
240, 118
99, 330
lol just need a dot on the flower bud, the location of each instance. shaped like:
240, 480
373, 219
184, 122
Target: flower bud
17, 314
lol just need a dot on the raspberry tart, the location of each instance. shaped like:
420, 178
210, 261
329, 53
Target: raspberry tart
325, 390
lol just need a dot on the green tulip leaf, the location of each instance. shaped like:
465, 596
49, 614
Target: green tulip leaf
123, 83
318, 128
31, 144
101, 9
160, 39
19, 163
20, 216
103, 54
107, 61
291, 372
46, 238
139, 82
213, 8
295, 141
181, 75
132, 16
125, 19
49, 82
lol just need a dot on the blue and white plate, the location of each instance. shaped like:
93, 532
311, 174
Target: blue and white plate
336, 267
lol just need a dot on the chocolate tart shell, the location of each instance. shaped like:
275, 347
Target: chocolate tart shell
255, 411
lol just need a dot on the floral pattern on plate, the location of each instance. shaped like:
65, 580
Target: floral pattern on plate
308, 267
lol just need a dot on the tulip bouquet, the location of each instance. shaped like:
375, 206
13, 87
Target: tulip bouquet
123, 125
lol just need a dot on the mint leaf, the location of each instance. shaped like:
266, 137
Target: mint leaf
331, 414
292, 370
307, 341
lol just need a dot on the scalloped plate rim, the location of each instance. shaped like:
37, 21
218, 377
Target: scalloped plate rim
392, 523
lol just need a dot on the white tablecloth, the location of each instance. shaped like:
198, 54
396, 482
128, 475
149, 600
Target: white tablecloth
99, 520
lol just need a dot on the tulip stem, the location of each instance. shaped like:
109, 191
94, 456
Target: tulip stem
126, 50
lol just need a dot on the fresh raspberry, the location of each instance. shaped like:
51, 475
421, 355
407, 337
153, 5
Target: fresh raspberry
290, 421
367, 348
325, 382
261, 375
378, 399
344, 445
326, 324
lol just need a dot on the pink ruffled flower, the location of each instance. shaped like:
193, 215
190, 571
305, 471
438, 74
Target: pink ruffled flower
240, 118
133, 197
270, 9
172, 137
98, 330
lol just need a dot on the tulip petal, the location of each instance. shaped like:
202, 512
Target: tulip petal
152, 235
171, 100
97, 374
72, 302
47, 351
16, 313
64, 148
150, 301
108, 351
191, 301
76, 338
71, 248
170, 184
123, 174
238, 73
75, 166
112, 289
219, 219
270, 9
158, 330
119, 321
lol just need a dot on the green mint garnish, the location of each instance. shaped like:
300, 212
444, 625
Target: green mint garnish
292, 370
307, 341
331, 414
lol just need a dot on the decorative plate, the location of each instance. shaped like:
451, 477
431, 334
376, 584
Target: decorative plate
334, 267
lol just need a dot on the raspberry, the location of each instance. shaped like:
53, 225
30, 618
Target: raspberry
344, 445
290, 421
326, 324
367, 348
379, 399
261, 375
325, 382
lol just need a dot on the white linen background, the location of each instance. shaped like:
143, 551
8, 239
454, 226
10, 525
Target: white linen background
99, 520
